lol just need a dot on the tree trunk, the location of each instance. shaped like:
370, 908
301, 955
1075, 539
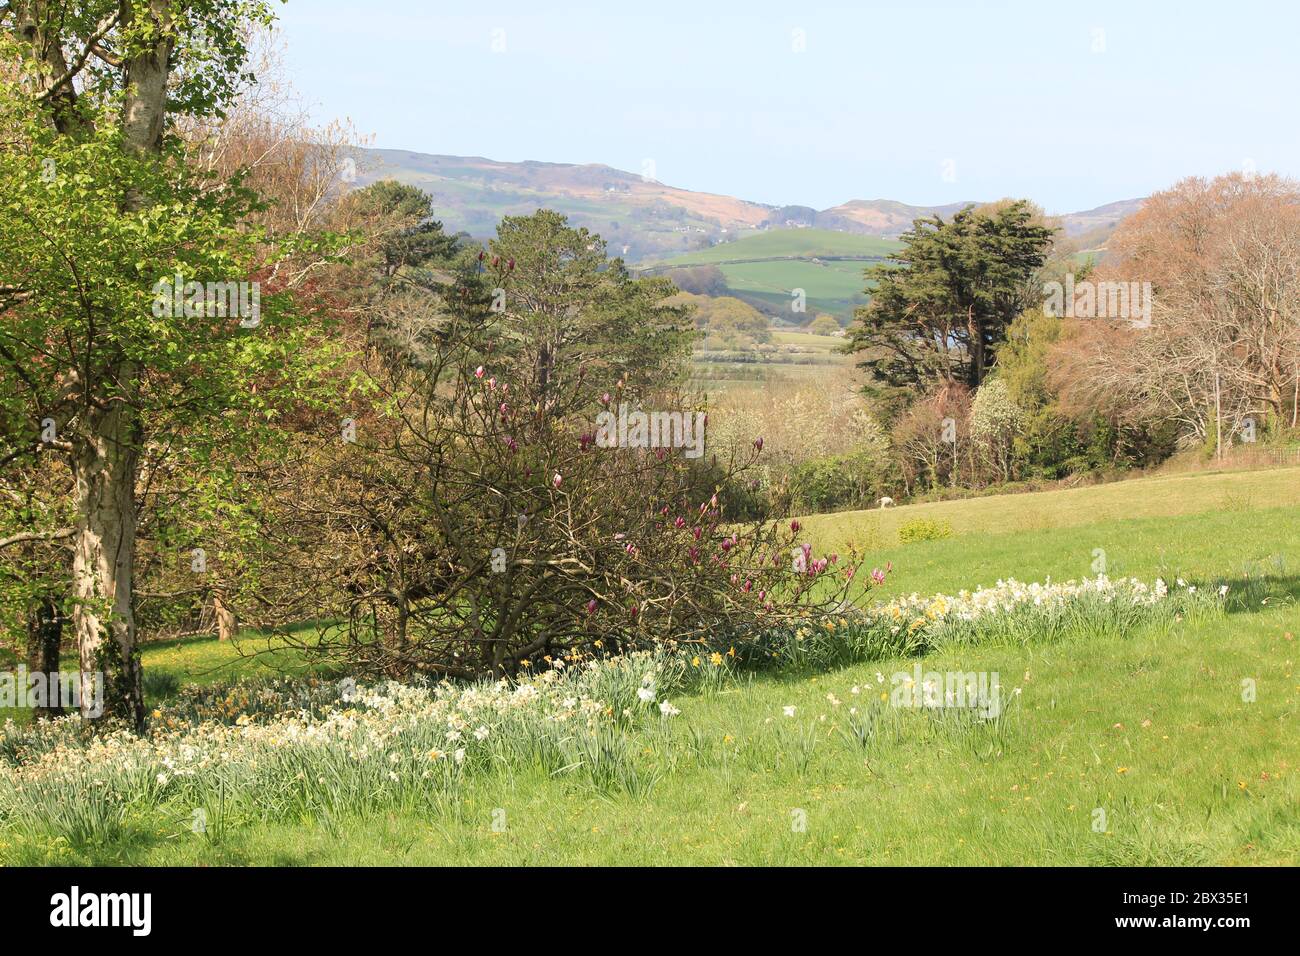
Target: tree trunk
103, 563
44, 641
226, 624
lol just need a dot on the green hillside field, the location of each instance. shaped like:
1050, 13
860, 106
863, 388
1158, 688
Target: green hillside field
765, 267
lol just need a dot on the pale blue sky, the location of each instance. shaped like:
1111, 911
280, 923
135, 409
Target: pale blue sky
882, 96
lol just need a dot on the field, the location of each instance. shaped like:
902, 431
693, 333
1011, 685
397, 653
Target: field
798, 357
1120, 748
766, 266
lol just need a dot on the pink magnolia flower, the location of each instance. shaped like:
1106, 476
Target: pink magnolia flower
478, 372
758, 443
591, 606
795, 526
556, 480
877, 575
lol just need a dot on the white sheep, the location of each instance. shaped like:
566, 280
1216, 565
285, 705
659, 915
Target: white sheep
886, 502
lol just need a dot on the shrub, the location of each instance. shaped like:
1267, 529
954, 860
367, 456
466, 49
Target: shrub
923, 529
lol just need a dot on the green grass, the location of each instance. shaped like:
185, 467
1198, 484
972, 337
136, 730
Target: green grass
1228, 492
802, 243
1149, 727
767, 265
809, 341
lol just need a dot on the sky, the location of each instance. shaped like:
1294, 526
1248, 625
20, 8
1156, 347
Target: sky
806, 103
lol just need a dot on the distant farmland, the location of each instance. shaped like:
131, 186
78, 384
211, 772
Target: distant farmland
765, 267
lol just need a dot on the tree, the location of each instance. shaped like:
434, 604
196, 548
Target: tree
824, 325
940, 310
570, 309
995, 421
479, 523
399, 220
931, 436
102, 359
1222, 350
699, 280
726, 320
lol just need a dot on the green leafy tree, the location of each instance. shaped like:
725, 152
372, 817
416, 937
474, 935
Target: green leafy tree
103, 362
404, 233
824, 325
940, 310
568, 309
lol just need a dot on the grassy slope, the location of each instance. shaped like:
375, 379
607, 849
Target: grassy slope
1039, 511
804, 243
831, 285
1151, 728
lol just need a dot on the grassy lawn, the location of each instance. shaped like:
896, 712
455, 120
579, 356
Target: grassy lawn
1232, 493
1118, 750
1151, 730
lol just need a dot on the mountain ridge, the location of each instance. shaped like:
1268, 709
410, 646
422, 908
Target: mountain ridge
644, 219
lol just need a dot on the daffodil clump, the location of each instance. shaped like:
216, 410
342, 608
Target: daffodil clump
315, 748
1009, 611
369, 746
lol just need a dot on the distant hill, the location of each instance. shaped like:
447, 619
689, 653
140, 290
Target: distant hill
881, 217
639, 218
644, 220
